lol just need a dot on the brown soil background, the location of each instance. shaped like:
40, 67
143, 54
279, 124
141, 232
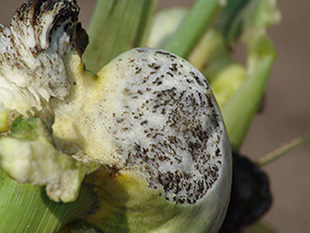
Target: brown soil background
286, 112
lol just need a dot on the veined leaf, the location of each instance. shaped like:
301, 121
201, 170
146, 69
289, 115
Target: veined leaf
230, 22
117, 26
165, 24
31, 208
197, 21
240, 110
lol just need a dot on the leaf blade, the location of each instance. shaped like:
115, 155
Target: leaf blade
198, 20
26, 208
240, 110
115, 27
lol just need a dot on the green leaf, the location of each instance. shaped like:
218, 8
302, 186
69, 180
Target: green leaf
165, 24
209, 51
26, 208
227, 81
117, 26
240, 110
196, 23
231, 20
254, 35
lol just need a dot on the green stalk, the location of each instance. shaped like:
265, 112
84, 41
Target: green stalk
284, 149
198, 20
210, 49
26, 208
117, 26
240, 110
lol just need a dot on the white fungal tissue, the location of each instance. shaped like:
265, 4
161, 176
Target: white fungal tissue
164, 121
32, 50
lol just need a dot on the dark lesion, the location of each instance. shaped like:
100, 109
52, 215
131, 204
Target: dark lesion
64, 14
80, 39
113, 171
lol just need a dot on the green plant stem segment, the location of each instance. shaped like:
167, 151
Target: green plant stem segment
240, 110
117, 26
198, 20
30, 207
284, 149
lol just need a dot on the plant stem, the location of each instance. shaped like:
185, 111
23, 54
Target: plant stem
198, 20
284, 149
240, 110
